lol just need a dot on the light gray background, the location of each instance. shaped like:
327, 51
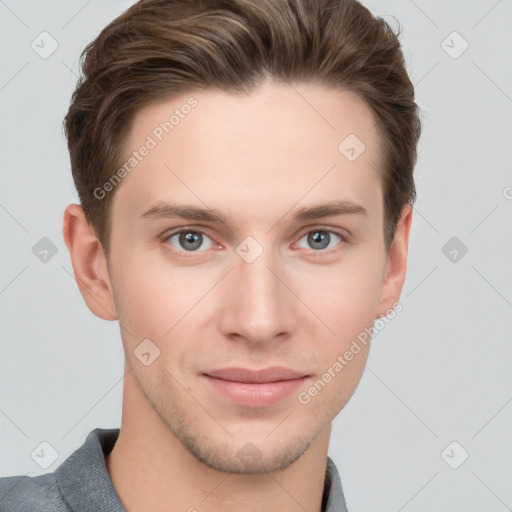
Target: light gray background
440, 372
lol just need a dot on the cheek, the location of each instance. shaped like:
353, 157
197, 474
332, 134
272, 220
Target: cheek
346, 298
353, 310
146, 304
163, 304
347, 304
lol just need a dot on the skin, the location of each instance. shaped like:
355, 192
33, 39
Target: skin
256, 158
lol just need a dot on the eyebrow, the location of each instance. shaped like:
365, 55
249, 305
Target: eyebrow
164, 210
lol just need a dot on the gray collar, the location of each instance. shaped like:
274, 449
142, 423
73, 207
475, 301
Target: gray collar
83, 477
333, 499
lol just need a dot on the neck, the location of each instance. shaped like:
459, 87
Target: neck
150, 469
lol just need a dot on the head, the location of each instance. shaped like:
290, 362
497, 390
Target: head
264, 115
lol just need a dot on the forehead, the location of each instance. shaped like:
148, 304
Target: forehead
273, 146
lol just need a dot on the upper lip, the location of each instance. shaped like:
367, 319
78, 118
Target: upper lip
272, 374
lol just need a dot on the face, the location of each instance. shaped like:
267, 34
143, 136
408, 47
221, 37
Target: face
248, 248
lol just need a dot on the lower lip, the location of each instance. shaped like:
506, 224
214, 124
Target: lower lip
256, 394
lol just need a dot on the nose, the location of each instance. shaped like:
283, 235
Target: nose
258, 305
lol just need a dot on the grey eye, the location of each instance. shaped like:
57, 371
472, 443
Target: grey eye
321, 239
189, 241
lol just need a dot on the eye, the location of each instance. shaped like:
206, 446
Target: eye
189, 240
320, 240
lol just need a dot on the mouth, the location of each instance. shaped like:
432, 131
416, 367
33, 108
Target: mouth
255, 388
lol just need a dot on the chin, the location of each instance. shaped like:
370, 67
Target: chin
250, 459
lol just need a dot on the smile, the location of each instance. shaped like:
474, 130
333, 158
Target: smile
255, 388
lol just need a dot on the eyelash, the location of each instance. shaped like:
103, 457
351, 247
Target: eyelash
192, 254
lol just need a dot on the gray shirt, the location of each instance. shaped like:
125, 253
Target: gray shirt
82, 483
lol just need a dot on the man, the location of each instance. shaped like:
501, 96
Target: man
245, 173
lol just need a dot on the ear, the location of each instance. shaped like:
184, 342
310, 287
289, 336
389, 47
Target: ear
89, 263
396, 264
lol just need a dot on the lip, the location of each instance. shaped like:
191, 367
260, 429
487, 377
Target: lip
255, 388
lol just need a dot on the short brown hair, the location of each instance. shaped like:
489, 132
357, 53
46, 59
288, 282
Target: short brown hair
159, 48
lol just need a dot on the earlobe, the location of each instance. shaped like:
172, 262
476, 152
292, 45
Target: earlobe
396, 265
89, 263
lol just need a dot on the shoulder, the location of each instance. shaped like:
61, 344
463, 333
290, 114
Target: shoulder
31, 494
81, 482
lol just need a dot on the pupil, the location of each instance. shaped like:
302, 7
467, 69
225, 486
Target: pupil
319, 239
192, 239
